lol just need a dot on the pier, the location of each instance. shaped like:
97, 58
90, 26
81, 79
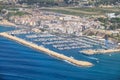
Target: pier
99, 51
47, 51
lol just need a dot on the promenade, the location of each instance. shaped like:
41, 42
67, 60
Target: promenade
47, 51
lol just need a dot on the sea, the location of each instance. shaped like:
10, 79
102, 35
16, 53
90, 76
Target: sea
19, 62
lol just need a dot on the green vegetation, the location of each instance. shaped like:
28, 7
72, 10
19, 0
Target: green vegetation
40, 1
36, 1
45, 3
1, 7
84, 11
115, 23
64, 12
106, 2
18, 13
13, 9
99, 10
112, 24
103, 20
70, 2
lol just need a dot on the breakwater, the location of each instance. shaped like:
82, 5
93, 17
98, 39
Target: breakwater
47, 51
101, 51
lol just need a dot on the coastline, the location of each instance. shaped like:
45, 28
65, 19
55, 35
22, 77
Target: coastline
6, 23
101, 51
47, 51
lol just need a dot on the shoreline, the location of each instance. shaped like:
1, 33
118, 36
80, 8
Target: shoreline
6, 23
101, 51
47, 51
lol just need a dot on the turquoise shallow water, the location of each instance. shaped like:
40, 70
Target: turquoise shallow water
18, 62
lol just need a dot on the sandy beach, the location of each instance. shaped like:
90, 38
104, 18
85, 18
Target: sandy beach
6, 23
47, 51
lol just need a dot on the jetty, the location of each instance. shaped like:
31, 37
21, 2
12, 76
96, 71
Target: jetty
47, 51
99, 51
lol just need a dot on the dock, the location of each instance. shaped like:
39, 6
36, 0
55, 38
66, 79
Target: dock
47, 51
99, 51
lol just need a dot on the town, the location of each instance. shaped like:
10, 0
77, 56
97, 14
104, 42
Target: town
83, 31
59, 39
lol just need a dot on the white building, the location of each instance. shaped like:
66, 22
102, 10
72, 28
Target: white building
111, 15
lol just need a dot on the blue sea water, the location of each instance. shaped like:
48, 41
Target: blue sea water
18, 62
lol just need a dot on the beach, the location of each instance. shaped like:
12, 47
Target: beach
6, 23
47, 51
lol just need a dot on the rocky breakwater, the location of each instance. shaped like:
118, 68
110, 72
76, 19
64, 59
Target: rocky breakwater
100, 51
47, 51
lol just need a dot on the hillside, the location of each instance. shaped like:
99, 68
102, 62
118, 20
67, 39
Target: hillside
74, 2
107, 2
40, 1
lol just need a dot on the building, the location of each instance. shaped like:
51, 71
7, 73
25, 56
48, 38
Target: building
111, 15
9, 1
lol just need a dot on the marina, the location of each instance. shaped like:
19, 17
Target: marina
59, 40
47, 51
62, 42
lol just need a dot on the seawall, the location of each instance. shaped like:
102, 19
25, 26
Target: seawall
101, 51
47, 51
